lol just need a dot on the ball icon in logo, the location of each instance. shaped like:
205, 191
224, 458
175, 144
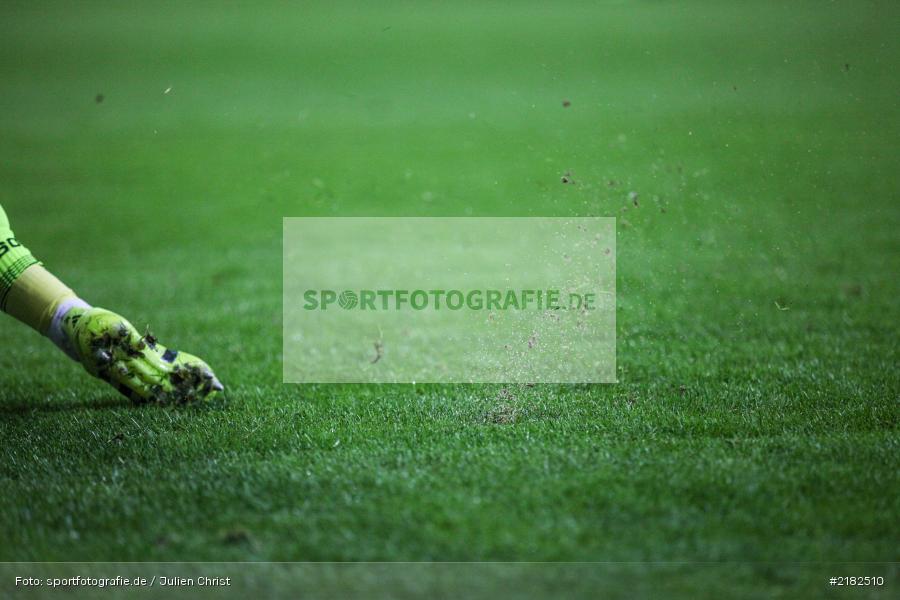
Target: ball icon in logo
348, 299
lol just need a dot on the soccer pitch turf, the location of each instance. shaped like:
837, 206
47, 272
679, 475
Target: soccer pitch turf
148, 155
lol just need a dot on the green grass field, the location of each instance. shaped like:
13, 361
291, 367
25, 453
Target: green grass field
756, 418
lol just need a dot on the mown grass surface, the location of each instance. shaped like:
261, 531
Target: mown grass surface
757, 414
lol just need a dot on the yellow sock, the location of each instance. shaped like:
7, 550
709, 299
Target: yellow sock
34, 297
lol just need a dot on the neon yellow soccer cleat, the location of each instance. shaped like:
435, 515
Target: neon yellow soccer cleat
143, 370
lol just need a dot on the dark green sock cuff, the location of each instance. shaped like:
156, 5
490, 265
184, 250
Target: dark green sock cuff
14, 259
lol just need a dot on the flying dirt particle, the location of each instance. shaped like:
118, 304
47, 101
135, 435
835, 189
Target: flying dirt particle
846, 67
567, 177
532, 340
853, 289
633, 196
386, 28
379, 352
236, 537
99, 98
734, 87
566, 104
607, 252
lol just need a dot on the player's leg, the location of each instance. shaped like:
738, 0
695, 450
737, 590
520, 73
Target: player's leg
29, 292
106, 344
15, 259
